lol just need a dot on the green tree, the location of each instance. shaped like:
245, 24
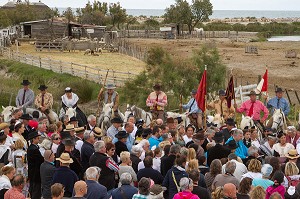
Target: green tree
69, 15
151, 23
118, 14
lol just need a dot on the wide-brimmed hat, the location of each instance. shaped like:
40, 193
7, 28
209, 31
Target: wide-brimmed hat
121, 134
69, 141
79, 130
25, 82
279, 90
33, 134
97, 132
218, 136
292, 154
157, 189
252, 93
3, 126
222, 92
73, 119
65, 158
232, 144
70, 127
116, 120
68, 90
230, 122
26, 117
42, 87
110, 86
157, 87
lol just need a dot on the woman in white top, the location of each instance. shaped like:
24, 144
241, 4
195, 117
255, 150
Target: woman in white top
19, 158
8, 172
125, 166
189, 134
282, 147
254, 170
17, 135
156, 159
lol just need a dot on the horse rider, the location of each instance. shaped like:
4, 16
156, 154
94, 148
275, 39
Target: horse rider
109, 96
44, 103
278, 102
220, 106
70, 100
194, 113
157, 100
25, 97
253, 108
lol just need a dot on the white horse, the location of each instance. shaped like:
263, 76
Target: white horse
216, 120
106, 115
185, 119
279, 120
140, 114
7, 111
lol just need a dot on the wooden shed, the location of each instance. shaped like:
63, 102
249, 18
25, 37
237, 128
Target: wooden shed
169, 31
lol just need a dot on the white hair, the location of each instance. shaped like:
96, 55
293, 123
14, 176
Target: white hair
185, 183
90, 117
135, 150
98, 145
125, 178
92, 173
252, 150
87, 134
143, 142
237, 132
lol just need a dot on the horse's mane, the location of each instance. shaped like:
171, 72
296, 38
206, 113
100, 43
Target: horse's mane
138, 112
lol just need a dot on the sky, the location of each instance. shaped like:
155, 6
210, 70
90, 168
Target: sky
162, 4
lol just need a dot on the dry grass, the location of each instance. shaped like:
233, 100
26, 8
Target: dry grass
106, 60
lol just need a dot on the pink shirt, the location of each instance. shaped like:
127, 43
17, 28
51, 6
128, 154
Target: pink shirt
257, 108
162, 100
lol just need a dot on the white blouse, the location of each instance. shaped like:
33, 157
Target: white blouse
283, 150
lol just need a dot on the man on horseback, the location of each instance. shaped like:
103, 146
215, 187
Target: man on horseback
194, 113
25, 97
220, 106
252, 108
109, 96
44, 102
157, 100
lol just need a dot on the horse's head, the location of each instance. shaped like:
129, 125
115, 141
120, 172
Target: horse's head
107, 111
7, 111
128, 112
278, 119
246, 121
71, 112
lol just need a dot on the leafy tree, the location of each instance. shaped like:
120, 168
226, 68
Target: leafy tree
118, 14
69, 15
151, 23
130, 21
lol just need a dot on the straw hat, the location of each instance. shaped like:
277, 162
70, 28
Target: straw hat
70, 127
3, 126
97, 132
65, 158
292, 154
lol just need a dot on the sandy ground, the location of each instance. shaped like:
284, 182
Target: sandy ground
283, 72
106, 60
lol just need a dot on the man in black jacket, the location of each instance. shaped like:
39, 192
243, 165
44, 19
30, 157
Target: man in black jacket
47, 170
87, 149
168, 162
218, 151
149, 172
35, 159
108, 166
227, 132
201, 192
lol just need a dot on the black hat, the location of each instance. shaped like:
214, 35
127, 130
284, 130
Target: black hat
73, 119
230, 122
278, 89
194, 92
222, 92
69, 142
33, 134
26, 117
25, 82
42, 87
179, 119
116, 120
121, 134
232, 144
157, 87
218, 136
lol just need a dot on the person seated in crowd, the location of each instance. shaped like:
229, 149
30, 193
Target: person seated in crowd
214, 170
228, 191
254, 169
149, 172
240, 170
282, 147
244, 188
126, 189
80, 189
258, 192
17, 183
8, 173
57, 191
144, 189
267, 148
241, 150
278, 179
265, 181
186, 187
95, 190
228, 177
247, 134
190, 130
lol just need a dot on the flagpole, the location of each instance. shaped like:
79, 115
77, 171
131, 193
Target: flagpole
231, 75
205, 98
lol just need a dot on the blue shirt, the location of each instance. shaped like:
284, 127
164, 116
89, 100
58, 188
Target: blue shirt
192, 106
128, 143
95, 190
241, 150
283, 105
153, 141
265, 183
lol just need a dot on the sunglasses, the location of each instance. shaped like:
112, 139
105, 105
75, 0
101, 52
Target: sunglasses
56, 139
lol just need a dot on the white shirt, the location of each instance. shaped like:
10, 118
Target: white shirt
78, 145
251, 175
156, 163
255, 143
240, 170
186, 139
54, 148
9, 141
283, 150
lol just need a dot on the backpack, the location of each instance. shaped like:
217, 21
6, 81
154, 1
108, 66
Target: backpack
293, 183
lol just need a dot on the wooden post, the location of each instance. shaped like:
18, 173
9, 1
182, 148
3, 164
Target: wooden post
86, 75
296, 93
258, 79
287, 94
40, 62
72, 70
60, 66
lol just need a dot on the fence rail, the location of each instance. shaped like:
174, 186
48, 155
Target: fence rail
87, 72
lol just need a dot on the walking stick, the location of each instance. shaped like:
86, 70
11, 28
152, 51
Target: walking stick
180, 108
99, 97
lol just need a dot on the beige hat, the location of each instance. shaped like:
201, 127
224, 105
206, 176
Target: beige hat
3, 126
97, 132
70, 127
65, 158
293, 154
79, 130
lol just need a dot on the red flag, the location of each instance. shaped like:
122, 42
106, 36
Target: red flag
230, 95
201, 92
263, 84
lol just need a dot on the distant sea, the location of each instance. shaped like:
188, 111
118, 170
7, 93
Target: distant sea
217, 14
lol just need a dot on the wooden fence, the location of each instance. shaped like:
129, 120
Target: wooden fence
94, 74
130, 49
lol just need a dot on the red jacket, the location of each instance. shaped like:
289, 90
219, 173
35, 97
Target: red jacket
289, 139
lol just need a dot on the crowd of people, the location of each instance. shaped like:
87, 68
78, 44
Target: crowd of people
40, 158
